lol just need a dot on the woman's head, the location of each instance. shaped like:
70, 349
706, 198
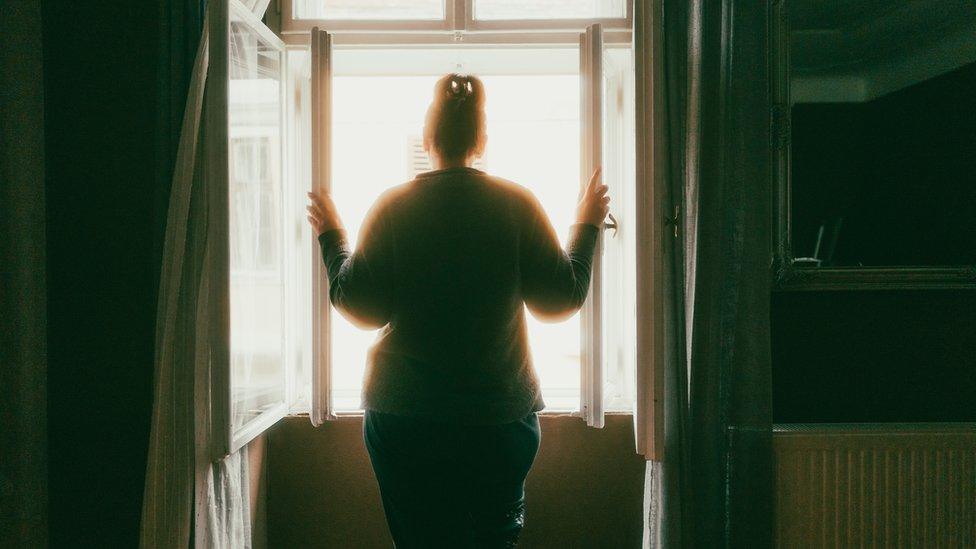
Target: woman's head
454, 129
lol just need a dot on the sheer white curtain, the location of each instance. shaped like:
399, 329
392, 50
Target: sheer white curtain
188, 498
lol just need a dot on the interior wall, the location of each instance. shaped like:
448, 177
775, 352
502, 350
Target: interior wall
100, 104
900, 171
904, 356
23, 348
257, 462
585, 489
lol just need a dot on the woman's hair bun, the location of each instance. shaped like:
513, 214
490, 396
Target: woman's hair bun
460, 88
455, 122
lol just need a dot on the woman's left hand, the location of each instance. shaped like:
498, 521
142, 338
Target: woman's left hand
322, 214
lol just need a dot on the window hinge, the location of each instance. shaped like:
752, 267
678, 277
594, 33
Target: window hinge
673, 221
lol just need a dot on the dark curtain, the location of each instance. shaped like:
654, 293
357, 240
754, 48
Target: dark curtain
729, 494
677, 33
23, 285
168, 499
182, 26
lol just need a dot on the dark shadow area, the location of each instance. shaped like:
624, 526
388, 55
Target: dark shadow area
874, 356
892, 180
585, 488
101, 103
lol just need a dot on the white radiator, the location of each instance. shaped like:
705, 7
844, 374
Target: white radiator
875, 485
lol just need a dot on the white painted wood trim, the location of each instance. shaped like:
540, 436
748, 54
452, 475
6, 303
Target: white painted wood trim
450, 40
458, 18
321, 92
651, 186
216, 155
591, 144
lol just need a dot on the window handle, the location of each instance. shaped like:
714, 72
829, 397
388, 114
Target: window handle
611, 225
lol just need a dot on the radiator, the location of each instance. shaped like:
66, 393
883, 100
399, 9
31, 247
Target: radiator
875, 485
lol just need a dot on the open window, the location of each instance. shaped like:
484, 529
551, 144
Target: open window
339, 103
366, 138
609, 315
252, 309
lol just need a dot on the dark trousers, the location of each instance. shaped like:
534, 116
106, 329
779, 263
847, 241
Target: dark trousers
449, 485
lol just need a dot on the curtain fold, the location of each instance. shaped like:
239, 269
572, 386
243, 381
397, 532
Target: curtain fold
730, 454
714, 485
228, 510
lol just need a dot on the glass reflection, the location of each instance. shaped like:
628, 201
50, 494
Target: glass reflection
257, 270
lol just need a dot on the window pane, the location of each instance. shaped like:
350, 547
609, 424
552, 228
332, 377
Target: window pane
257, 273
298, 241
549, 9
369, 9
620, 247
374, 140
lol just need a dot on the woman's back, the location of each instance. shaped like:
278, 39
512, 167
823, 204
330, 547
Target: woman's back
444, 264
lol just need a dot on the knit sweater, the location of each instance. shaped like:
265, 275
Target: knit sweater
445, 265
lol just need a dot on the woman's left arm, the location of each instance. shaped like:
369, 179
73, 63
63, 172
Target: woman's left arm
357, 279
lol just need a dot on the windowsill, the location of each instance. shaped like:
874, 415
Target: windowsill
544, 413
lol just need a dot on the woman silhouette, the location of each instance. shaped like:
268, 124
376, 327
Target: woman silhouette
444, 265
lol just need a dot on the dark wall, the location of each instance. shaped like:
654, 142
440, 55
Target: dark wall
101, 90
585, 489
900, 170
874, 356
23, 288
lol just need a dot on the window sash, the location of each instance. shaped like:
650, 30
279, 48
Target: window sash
652, 230
591, 153
574, 24
322, 408
291, 24
224, 437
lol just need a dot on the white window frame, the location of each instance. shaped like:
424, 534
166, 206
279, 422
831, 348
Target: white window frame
591, 46
224, 440
569, 24
322, 408
591, 156
292, 25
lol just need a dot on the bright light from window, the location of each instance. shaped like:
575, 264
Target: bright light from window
369, 9
533, 139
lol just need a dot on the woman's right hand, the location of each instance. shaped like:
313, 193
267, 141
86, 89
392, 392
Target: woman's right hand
594, 204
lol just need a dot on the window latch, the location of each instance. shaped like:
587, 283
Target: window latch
611, 225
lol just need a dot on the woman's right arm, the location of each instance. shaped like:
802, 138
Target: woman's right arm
359, 287
555, 282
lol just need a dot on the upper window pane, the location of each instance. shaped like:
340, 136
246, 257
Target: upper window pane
372, 10
550, 9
